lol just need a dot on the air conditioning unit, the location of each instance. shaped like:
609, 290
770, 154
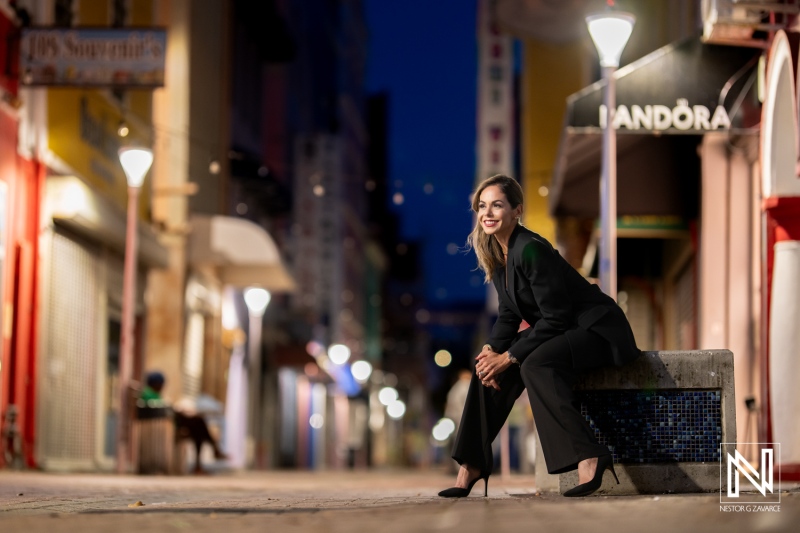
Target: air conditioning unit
729, 21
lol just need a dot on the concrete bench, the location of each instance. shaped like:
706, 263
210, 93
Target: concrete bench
665, 417
162, 447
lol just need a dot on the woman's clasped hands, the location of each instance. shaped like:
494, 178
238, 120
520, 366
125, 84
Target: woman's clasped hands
489, 365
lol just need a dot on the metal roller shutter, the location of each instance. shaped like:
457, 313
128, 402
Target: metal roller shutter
70, 354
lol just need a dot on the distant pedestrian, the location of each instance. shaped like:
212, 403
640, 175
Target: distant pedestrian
574, 327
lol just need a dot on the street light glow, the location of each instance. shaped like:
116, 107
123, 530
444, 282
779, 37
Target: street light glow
316, 421
610, 32
135, 162
396, 409
257, 300
74, 198
361, 371
387, 395
443, 429
339, 354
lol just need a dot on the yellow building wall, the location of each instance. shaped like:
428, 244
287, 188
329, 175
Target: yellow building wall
98, 12
551, 73
94, 13
141, 12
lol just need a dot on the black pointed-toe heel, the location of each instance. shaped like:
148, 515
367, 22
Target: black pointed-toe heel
458, 492
604, 462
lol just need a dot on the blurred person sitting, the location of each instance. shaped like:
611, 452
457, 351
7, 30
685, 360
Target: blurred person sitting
188, 424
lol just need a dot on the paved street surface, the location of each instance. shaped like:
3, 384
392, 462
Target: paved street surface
350, 502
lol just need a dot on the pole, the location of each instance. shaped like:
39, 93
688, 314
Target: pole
254, 370
126, 334
505, 451
608, 192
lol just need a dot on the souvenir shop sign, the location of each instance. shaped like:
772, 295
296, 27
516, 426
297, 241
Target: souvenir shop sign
93, 57
687, 87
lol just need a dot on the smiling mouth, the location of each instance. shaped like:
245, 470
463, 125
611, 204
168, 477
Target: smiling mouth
490, 223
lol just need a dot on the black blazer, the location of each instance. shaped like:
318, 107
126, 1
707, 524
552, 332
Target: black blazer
551, 296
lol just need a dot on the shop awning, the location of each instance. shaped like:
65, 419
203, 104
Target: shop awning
243, 252
665, 102
72, 204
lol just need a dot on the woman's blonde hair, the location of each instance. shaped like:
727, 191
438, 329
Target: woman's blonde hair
487, 249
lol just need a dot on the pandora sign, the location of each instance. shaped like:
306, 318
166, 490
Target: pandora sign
683, 117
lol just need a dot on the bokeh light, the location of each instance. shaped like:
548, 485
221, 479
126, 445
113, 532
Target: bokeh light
388, 395
257, 300
314, 348
339, 354
396, 409
316, 421
442, 358
443, 429
311, 369
361, 370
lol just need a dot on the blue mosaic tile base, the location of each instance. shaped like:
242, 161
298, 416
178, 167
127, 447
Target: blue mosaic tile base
656, 426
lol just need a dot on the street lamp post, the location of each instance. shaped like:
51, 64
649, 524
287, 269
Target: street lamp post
135, 162
257, 300
610, 31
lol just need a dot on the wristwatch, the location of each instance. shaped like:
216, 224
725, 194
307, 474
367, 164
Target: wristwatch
512, 358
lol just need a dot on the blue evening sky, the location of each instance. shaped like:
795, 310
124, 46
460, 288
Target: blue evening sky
423, 53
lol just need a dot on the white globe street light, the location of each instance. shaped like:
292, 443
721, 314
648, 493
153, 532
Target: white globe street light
339, 354
135, 163
610, 31
257, 300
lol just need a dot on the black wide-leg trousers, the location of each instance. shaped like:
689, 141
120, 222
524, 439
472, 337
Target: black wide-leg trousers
548, 374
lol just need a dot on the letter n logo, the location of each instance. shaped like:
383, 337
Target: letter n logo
761, 481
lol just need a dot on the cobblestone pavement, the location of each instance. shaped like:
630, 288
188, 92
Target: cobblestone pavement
373, 501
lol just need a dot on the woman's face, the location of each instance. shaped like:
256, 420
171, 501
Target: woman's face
495, 214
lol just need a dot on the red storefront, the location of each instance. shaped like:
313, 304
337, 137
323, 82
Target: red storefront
20, 192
